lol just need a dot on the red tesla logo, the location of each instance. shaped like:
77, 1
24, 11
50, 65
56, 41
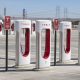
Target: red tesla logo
56, 24
7, 22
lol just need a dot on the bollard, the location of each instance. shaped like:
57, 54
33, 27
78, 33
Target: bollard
23, 53
43, 61
65, 48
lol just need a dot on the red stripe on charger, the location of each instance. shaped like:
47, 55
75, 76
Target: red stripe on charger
47, 44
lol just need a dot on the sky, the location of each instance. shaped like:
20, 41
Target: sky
41, 8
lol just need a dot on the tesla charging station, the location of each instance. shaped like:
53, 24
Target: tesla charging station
23, 52
1, 27
43, 59
65, 45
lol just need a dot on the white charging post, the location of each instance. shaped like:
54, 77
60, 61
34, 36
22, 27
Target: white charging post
23, 52
65, 50
43, 61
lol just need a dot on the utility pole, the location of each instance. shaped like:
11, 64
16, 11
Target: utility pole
24, 17
65, 13
4, 11
58, 12
24, 14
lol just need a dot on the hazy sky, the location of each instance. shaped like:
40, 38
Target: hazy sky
41, 8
